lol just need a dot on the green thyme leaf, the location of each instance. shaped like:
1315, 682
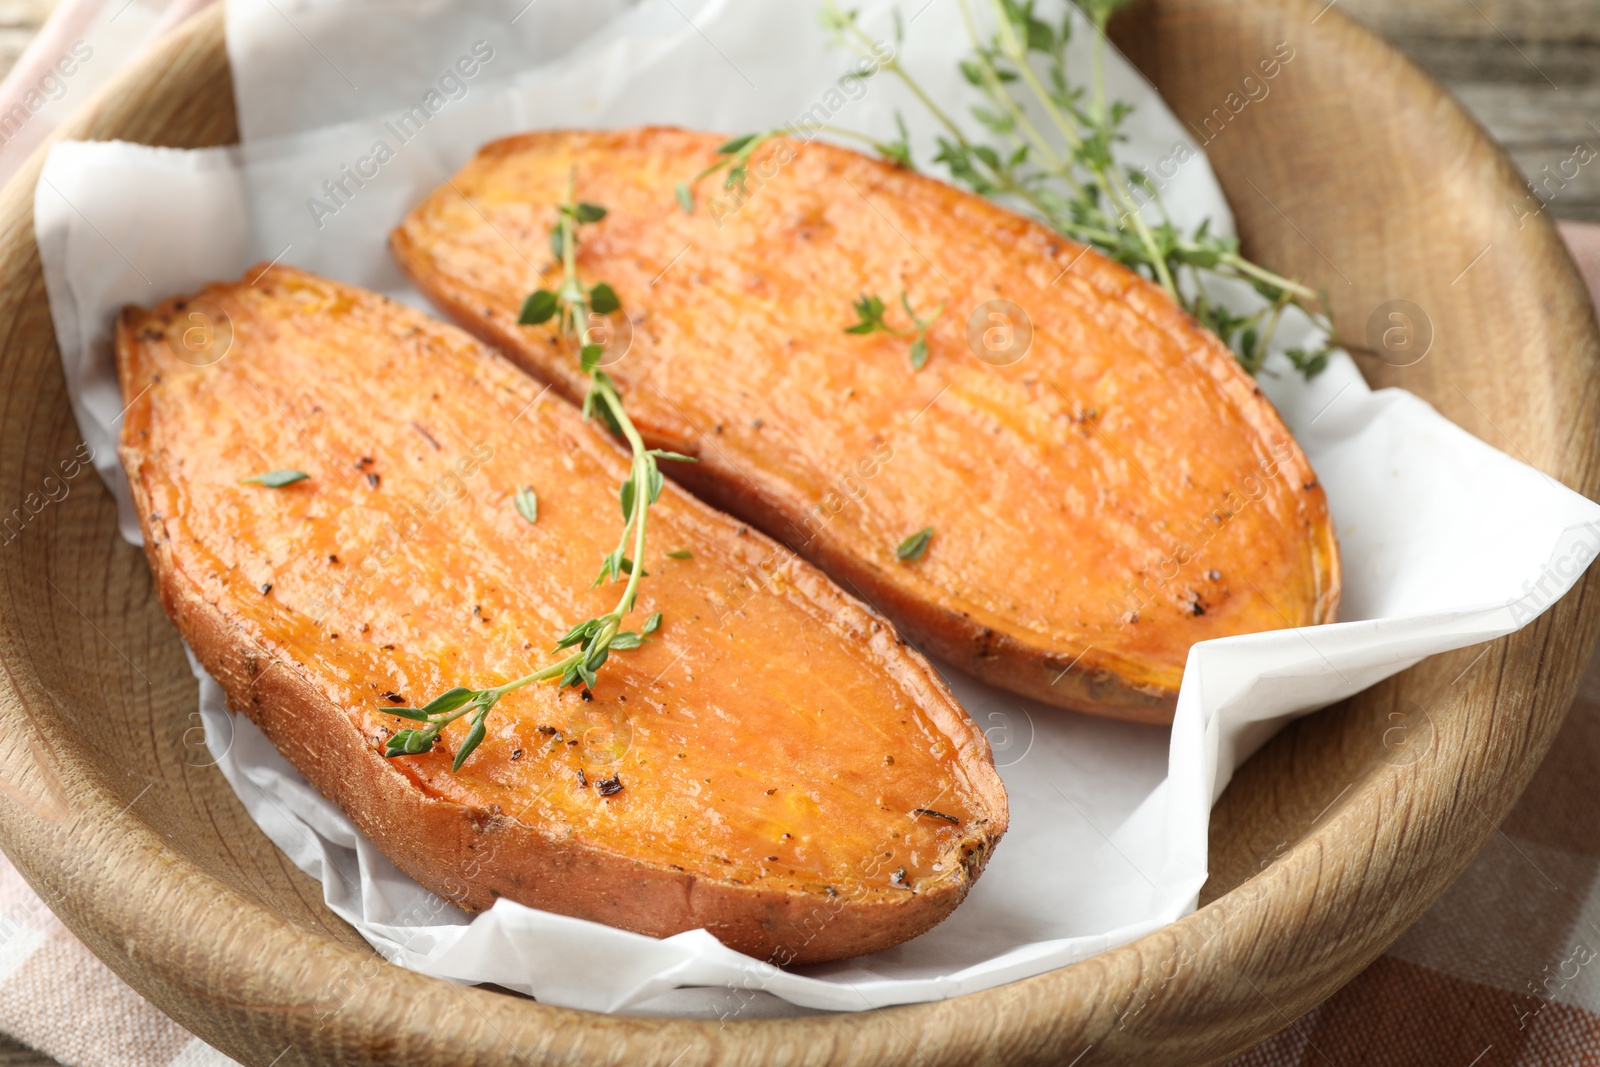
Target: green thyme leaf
610, 567
919, 352
578, 634
409, 743
596, 402
449, 700
653, 623
587, 212
685, 197
603, 299
913, 547
732, 147
680, 553
527, 503
626, 640
627, 498
276, 479
653, 481
905, 302
539, 307
414, 714
869, 312
475, 738
898, 151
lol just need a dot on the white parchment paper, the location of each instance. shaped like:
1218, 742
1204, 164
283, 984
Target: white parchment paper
1446, 541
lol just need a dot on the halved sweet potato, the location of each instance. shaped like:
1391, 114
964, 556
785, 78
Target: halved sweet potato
1100, 499
774, 764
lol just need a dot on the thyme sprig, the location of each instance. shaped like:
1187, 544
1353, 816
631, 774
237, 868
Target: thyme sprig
1071, 178
1051, 150
870, 310
734, 155
592, 641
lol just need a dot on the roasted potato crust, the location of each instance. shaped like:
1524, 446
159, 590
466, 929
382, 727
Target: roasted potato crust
769, 759
1102, 497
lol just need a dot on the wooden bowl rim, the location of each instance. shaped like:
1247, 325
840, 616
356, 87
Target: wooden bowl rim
1052, 1013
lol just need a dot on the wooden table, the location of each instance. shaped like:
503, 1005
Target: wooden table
1528, 69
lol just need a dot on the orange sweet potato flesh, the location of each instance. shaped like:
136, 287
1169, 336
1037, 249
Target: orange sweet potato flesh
1116, 494
793, 777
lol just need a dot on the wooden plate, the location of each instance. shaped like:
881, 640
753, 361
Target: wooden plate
1355, 172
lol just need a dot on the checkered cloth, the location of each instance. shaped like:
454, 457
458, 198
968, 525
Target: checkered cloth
1504, 971
58, 998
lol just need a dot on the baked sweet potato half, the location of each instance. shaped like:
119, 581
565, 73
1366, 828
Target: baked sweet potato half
773, 764
1103, 483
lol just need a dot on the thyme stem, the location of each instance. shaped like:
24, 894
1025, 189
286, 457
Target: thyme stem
574, 306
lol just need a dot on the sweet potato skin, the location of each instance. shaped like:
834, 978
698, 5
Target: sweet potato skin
775, 740
1116, 494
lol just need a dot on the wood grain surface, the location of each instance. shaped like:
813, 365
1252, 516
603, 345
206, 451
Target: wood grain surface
1357, 174
1528, 70
18, 24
